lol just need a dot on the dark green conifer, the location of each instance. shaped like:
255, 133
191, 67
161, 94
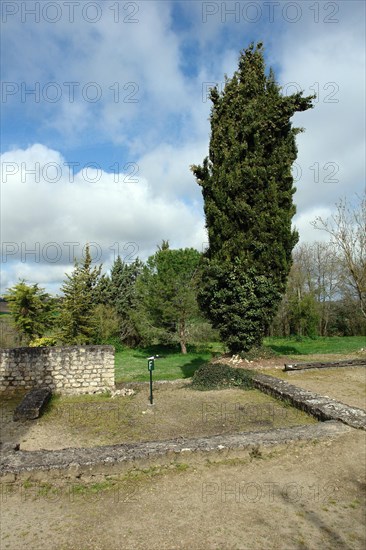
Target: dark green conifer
247, 186
77, 308
123, 297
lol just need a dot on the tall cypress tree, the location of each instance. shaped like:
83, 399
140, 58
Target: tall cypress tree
247, 188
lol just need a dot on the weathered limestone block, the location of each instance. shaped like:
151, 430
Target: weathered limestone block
32, 404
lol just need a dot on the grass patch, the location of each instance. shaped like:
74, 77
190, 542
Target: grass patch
93, 488
322, 345
131, 364
123, 486
255, 452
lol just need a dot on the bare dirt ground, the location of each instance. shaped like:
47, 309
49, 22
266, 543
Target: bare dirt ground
87, 421
346, 384
305, 495
299, 496
343, 384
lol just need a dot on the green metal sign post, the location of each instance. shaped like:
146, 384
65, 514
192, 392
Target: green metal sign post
151, 366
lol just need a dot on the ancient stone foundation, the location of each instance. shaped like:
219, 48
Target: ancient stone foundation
65, 370
320, 406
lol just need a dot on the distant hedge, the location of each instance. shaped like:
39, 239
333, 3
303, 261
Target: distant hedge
211, 376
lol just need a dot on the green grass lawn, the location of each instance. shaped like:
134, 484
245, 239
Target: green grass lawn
322, 345
131, 364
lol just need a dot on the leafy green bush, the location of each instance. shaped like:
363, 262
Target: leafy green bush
45, 342
211, 376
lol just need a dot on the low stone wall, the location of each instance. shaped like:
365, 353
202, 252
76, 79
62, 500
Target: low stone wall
65, 370
85, 463
322, 407
360, 362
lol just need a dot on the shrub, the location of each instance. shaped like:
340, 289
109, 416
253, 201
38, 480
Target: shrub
211, 376
114, 341
45, 342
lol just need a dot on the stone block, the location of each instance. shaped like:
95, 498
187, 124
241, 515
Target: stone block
32, 404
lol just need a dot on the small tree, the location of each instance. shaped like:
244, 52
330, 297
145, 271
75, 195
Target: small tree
312, 286
77, 307
347, 228
32, 309
247, 188
167, 292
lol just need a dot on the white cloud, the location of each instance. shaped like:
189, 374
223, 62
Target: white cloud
303, 223
167, 168
119, 216
330, 61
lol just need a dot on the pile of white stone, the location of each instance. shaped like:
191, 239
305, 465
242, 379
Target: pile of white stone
236, 359
122, 393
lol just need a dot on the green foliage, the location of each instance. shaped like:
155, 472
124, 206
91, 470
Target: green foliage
247, 188
304, 316
106, 323
124, 298
347, 318
103, 290
45, 342
32, 309
212, 376
76, 319
115, 341
311, 303
201, 333
240, 302
167, 295
118, 291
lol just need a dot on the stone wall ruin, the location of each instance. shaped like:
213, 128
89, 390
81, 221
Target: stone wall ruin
64, 370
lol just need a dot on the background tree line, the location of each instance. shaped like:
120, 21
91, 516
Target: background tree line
326, 288
157, 302
135, 304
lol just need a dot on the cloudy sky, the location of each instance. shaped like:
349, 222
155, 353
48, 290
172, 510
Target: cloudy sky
104, 108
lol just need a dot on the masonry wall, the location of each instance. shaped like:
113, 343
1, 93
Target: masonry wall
65, 370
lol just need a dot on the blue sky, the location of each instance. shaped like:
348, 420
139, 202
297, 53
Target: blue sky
104, 109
